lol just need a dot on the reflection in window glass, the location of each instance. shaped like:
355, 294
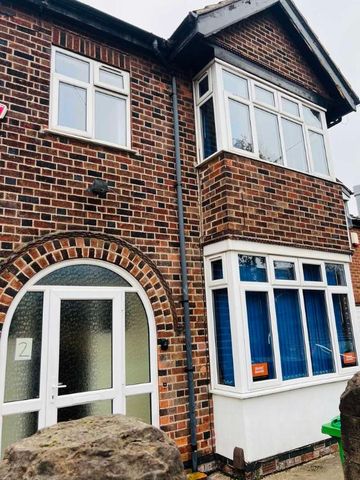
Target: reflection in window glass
312, 117
110, 118
217, 270
240, 126
269, 136
284, 270
111, 78
312, 273
235, 85
291, 335
264, 96
208, 130
72, 67
203, 86
319, 332
344, 330
262, 356
252, 269
223, 337
294, 145
335, 274
72, 107
318, 153
290, 107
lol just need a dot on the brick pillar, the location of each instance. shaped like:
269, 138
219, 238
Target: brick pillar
350, 428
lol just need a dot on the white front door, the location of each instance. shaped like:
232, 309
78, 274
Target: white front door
72, 351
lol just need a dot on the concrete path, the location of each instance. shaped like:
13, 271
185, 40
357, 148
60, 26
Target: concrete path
327, 468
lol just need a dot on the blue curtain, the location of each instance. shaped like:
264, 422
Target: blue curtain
312, 273
291, 337
252, 269
319, 334
223, 337
260, 330
284, 271
335, 274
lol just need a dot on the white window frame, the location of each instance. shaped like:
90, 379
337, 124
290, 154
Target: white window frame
222, 120
244, 385
91, 88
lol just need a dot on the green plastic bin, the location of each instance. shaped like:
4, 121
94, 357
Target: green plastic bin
334, 430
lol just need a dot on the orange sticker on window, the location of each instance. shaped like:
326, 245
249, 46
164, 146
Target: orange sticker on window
260, 370
350, 358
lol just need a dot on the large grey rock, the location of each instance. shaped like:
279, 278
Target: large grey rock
94, 448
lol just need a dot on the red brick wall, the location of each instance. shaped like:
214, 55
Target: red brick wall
355, 268
253, 200
264, 40
44, 178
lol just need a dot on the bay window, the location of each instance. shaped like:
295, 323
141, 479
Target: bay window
89, 100
242, 114
279, 320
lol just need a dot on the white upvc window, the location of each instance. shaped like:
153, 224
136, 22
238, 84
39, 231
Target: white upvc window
251, 117
279, 321
89, 99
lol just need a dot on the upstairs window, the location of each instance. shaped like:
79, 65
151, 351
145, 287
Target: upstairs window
252, 118
89, 99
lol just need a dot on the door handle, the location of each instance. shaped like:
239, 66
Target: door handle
54, 390
59, 385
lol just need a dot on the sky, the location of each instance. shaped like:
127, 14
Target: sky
337, 25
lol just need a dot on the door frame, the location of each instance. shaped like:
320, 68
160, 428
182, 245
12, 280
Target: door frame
128, 390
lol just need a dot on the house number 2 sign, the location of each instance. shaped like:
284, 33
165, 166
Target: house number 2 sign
23, 349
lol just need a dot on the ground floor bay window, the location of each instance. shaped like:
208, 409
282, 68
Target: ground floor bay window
280, 320
79, 340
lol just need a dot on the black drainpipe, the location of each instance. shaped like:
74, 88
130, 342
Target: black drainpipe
184, 275
184, 281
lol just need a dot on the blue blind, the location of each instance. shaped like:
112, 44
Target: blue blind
284, 270
319, 334
260, 330
312, 273
343, 326
291, 337
223, 337
335, 274
252, 269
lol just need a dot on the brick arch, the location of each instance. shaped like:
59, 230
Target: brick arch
36, 256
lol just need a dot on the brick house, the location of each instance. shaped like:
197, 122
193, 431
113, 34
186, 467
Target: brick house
161, 194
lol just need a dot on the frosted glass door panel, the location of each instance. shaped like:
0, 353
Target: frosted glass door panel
16, 427
24, 349
139, 406
101, 407
85, 357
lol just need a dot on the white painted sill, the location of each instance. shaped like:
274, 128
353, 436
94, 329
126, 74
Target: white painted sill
61, 133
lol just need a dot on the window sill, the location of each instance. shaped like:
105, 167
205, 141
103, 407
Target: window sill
255, 157
61, 133
274, 391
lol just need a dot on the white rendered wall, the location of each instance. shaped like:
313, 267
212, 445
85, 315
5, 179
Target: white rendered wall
272, 424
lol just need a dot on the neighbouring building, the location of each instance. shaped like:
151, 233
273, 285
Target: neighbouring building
173, 241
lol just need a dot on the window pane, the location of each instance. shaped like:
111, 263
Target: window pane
264, 96
344, 330
203, 86
284, 270
268, 135
139, 406
223, 337
252, 269
240, 126
16, 427
319, 332
235, 85
291, 335
312, 273
72, 67
262, 357
208, 130
110, 118
335, 274
84, 276
75, 412
137, 353
111, 78
290, 107
23, 374
294, 145
312, 117
72, 106
318, 153
217, 270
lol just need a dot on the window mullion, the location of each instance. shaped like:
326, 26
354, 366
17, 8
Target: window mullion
309, 156
275, 335
306, 333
